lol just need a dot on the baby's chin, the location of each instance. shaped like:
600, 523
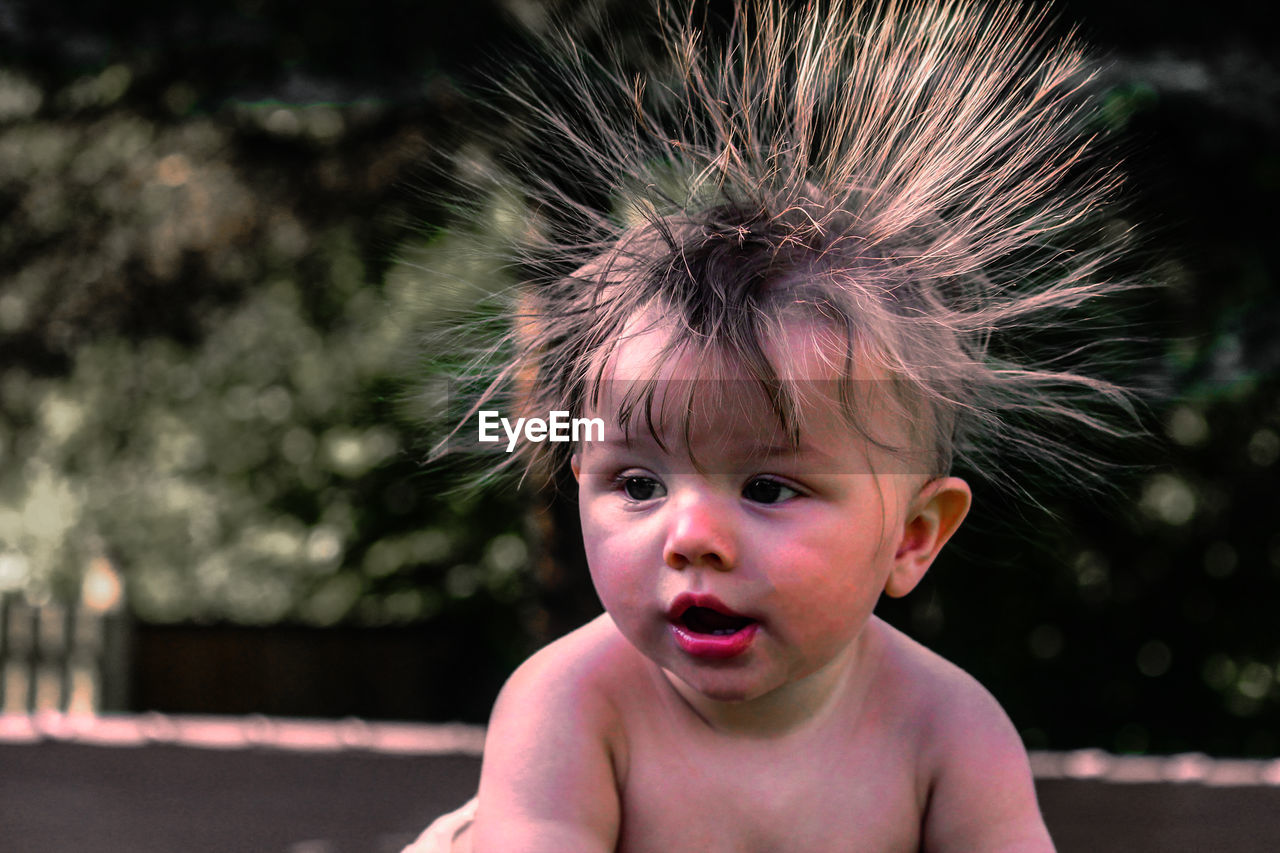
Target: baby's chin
722, 687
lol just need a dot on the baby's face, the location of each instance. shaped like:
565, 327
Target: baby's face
761, 564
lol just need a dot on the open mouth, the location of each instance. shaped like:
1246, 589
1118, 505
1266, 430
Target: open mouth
705, 620
701, 613
704, 627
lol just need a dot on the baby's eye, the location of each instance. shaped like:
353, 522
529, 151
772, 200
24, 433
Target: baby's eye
640, 488
763, 490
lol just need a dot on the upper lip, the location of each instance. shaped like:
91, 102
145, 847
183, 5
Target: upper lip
686, 600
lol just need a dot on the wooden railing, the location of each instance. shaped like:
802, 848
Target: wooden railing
59, 657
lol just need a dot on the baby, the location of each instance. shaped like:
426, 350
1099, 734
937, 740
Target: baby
786, 324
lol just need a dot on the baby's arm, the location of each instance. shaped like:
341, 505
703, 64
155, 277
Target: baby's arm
547, 783
982, 799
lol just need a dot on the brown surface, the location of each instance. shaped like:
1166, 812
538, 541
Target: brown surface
72, 798
61, 797
1100, 817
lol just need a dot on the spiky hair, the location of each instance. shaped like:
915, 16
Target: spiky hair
916, 176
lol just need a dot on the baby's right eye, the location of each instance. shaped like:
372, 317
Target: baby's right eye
640, 488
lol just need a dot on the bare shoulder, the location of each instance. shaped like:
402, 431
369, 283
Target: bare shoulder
581, 668
945, 700
575, 685
549, 777
567, 695
981, 796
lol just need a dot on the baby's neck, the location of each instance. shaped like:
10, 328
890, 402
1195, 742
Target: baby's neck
796, 707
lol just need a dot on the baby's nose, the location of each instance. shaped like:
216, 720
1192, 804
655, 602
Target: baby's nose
699, 534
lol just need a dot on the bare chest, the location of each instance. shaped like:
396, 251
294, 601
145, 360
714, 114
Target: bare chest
762, 800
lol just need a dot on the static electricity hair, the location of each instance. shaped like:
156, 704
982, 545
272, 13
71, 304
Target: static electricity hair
917, 179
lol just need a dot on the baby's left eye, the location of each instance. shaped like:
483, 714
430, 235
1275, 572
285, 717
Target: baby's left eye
763, 490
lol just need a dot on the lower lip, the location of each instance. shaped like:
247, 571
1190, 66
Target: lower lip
714, 646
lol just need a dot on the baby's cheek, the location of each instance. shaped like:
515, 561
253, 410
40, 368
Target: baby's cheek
615, 574
833, 607
827, 618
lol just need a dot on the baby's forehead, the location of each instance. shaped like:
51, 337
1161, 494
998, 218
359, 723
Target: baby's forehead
821, 404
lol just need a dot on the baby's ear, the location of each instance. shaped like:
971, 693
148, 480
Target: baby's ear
575, 465
934, 514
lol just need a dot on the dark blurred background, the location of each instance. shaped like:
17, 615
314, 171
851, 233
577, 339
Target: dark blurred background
221, 240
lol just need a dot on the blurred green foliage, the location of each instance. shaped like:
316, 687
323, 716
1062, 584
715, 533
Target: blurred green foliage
203, 378
219, 252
